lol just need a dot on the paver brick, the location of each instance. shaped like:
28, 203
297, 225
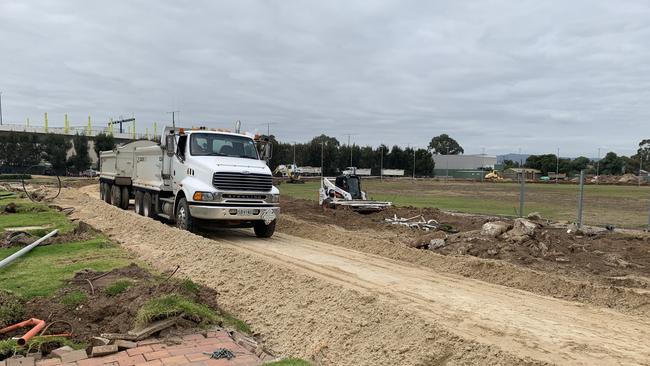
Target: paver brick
193, 337
139, 350
124, 344
45, 362
217, 334
22, 361
130, 361
73, 356
150, 363
156, 355
175, 361
148, 342
199, 356
246, 360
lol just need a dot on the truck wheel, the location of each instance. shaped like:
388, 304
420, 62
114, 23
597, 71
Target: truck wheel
263, 230
183, 218
102, 191
137, 202
107, 193
147, 205
116, 196
124, 203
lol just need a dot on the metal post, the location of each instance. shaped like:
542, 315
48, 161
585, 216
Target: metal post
381, 164
598, 167
414, 163
640, 168
522, 190
0, 108
294, 153
557, 164
581, 198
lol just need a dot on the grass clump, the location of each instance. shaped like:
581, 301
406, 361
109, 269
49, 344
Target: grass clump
11, 309
74, 299
10, 347
240, 325
118, 287
289, 362
174, 305
190, 286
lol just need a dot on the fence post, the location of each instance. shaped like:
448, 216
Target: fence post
581, 197
522, 190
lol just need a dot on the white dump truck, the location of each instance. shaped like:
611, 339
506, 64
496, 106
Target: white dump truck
195, 177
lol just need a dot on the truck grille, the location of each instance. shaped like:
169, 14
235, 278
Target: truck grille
242, 182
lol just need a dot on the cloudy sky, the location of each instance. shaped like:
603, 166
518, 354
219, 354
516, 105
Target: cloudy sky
495, 75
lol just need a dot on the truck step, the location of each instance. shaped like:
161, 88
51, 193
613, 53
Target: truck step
166, 217
167, 199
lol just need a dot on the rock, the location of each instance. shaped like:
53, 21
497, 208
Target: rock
494, 228
21, 361
534, 216
20, 238
562, 260
492, 252
99, 341
437, 244
522, 227
99, 351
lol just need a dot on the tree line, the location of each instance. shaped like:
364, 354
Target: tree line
610, 164
20, 151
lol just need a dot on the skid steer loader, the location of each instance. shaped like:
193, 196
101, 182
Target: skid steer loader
346, 191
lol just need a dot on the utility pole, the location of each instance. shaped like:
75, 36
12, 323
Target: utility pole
350, 147
294, 153
0, 108
381, 164
414, 163
173, 118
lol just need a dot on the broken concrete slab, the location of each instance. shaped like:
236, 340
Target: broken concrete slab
74, 356
494, 228
62, 350
99, 351
124, 344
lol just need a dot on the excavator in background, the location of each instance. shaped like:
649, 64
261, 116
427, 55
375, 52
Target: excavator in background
346, 191
289, 171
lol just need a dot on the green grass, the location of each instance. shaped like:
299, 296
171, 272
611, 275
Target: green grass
118, 287
11, 308
73, 299
623, 206
34, 214
289, 362
190, 286
230, 321
172, 305
9, 347
45, 269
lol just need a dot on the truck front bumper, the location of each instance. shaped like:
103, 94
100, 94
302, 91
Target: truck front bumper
266, 213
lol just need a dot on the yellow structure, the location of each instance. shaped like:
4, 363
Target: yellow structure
66, 124
46, 129
110, 126
89, 129
155, 130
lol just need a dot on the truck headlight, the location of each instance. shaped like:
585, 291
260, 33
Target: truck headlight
275, 198
203, 196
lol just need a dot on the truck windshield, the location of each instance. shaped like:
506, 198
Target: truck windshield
212, 144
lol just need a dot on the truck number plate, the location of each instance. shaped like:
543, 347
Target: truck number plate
246, 212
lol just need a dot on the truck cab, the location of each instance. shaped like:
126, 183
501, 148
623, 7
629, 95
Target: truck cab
221, 176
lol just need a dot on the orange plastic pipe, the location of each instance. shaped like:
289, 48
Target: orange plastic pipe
36, 324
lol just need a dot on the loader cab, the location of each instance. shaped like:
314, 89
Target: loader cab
350, 184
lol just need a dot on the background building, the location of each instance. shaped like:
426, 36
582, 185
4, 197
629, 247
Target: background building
463, 166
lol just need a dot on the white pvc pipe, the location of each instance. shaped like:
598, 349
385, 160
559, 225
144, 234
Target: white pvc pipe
26, 249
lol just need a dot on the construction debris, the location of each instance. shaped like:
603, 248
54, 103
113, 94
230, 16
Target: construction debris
494, 228
421, 223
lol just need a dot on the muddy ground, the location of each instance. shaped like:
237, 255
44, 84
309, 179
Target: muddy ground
613, 258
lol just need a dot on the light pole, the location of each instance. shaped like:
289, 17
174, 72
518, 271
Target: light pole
557, 165
381, 164
0, 108
414, 163
173, 113
350, 147
598, 167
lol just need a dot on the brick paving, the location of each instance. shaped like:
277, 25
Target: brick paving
190, 351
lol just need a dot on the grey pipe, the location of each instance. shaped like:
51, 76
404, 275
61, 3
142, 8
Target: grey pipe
26, 249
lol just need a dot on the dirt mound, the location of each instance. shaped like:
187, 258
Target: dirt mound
98, 311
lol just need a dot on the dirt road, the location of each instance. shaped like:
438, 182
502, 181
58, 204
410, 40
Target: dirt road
337, 301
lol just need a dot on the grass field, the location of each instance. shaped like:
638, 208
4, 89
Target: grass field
622, 206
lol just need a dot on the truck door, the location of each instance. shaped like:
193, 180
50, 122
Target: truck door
170, 149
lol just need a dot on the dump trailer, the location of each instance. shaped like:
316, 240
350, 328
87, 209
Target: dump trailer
194, 178
346, 191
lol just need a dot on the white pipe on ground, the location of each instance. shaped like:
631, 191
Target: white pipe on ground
26, 249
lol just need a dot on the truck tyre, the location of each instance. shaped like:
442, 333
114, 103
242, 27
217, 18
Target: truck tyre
116, 196
147, 205
137, 202
124, 203
183, 218
107, 193
263, 230
102, 191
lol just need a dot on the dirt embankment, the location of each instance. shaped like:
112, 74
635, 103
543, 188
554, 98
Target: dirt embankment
605, 269
296, 314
